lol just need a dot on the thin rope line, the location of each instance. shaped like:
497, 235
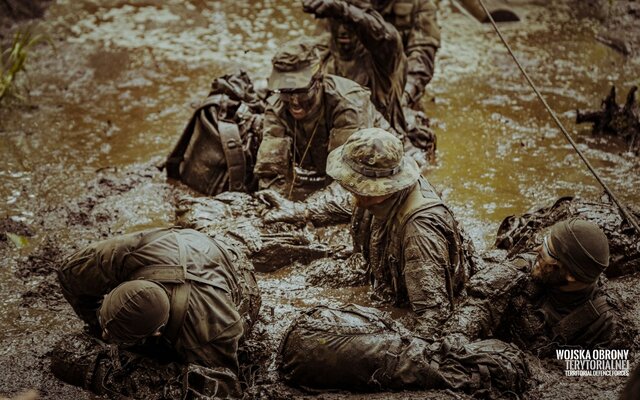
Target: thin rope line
630, 217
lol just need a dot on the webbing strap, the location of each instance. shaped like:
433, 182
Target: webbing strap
234, 153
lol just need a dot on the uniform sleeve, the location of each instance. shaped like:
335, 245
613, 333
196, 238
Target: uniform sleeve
489, 293
380, 38
332, 205
272, 158
89, 274
220, 351
422, 44
426, 262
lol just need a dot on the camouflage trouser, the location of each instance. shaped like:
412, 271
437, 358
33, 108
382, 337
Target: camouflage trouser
359, 349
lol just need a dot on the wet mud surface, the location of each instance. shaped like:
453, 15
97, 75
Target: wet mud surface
108, 103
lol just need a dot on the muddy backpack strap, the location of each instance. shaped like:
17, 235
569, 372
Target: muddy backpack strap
177, 154
581, 319
234, 153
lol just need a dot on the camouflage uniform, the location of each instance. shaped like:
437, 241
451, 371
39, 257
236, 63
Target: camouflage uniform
503, 301
416, 21
220, 304
379, 62
344, 108
410, 240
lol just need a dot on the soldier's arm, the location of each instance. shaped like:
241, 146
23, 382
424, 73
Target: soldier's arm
379, 37
489, 293
273, 155
422, 44
330, 206
220, 350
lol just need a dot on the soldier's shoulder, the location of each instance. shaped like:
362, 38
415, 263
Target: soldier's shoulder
337, 85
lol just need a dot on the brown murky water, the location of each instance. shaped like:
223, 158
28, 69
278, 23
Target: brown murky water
117, 88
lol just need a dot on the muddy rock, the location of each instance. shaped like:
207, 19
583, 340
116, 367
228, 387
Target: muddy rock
519, 234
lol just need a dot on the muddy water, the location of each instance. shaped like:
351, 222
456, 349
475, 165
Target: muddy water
117, 88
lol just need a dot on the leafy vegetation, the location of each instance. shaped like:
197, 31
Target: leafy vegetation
13, 60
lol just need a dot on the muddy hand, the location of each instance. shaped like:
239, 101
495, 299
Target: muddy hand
324, 8
283, 210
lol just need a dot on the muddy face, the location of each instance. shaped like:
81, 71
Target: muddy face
344, 39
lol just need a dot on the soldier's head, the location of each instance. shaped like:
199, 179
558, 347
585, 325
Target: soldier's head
296, 78
572, 255
133, 311
371, 164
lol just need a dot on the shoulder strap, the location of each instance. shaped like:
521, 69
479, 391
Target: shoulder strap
581, 318
415, 202
234, 153
177, 154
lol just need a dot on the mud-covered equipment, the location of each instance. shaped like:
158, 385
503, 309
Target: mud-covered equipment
217, 149
360, 349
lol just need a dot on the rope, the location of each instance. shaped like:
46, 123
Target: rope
630, 217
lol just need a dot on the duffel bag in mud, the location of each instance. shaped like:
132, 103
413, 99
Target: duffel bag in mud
359, 349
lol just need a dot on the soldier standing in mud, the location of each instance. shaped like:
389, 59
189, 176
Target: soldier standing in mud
416, 21
546, 301
407, 236
172, 292
366, 49
310, 114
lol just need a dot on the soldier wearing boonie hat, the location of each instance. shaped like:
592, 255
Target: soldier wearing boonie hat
408, 236
309, 114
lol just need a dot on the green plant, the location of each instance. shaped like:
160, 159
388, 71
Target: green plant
13, 60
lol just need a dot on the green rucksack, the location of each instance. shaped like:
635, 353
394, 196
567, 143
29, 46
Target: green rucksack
216, 151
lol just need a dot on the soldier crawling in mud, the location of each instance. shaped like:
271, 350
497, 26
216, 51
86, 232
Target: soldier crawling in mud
408, 237
175, 293
548, 301
310, 114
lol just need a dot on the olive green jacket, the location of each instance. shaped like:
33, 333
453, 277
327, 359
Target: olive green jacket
218, 314
345, 107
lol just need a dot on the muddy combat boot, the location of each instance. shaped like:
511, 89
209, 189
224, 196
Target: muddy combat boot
359, 349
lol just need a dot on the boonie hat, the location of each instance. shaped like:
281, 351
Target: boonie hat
372, 163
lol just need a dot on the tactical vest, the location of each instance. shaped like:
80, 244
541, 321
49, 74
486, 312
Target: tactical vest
419, 200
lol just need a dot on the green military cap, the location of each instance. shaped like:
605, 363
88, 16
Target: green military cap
134, 310
372, 163
294, 66
581, 247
